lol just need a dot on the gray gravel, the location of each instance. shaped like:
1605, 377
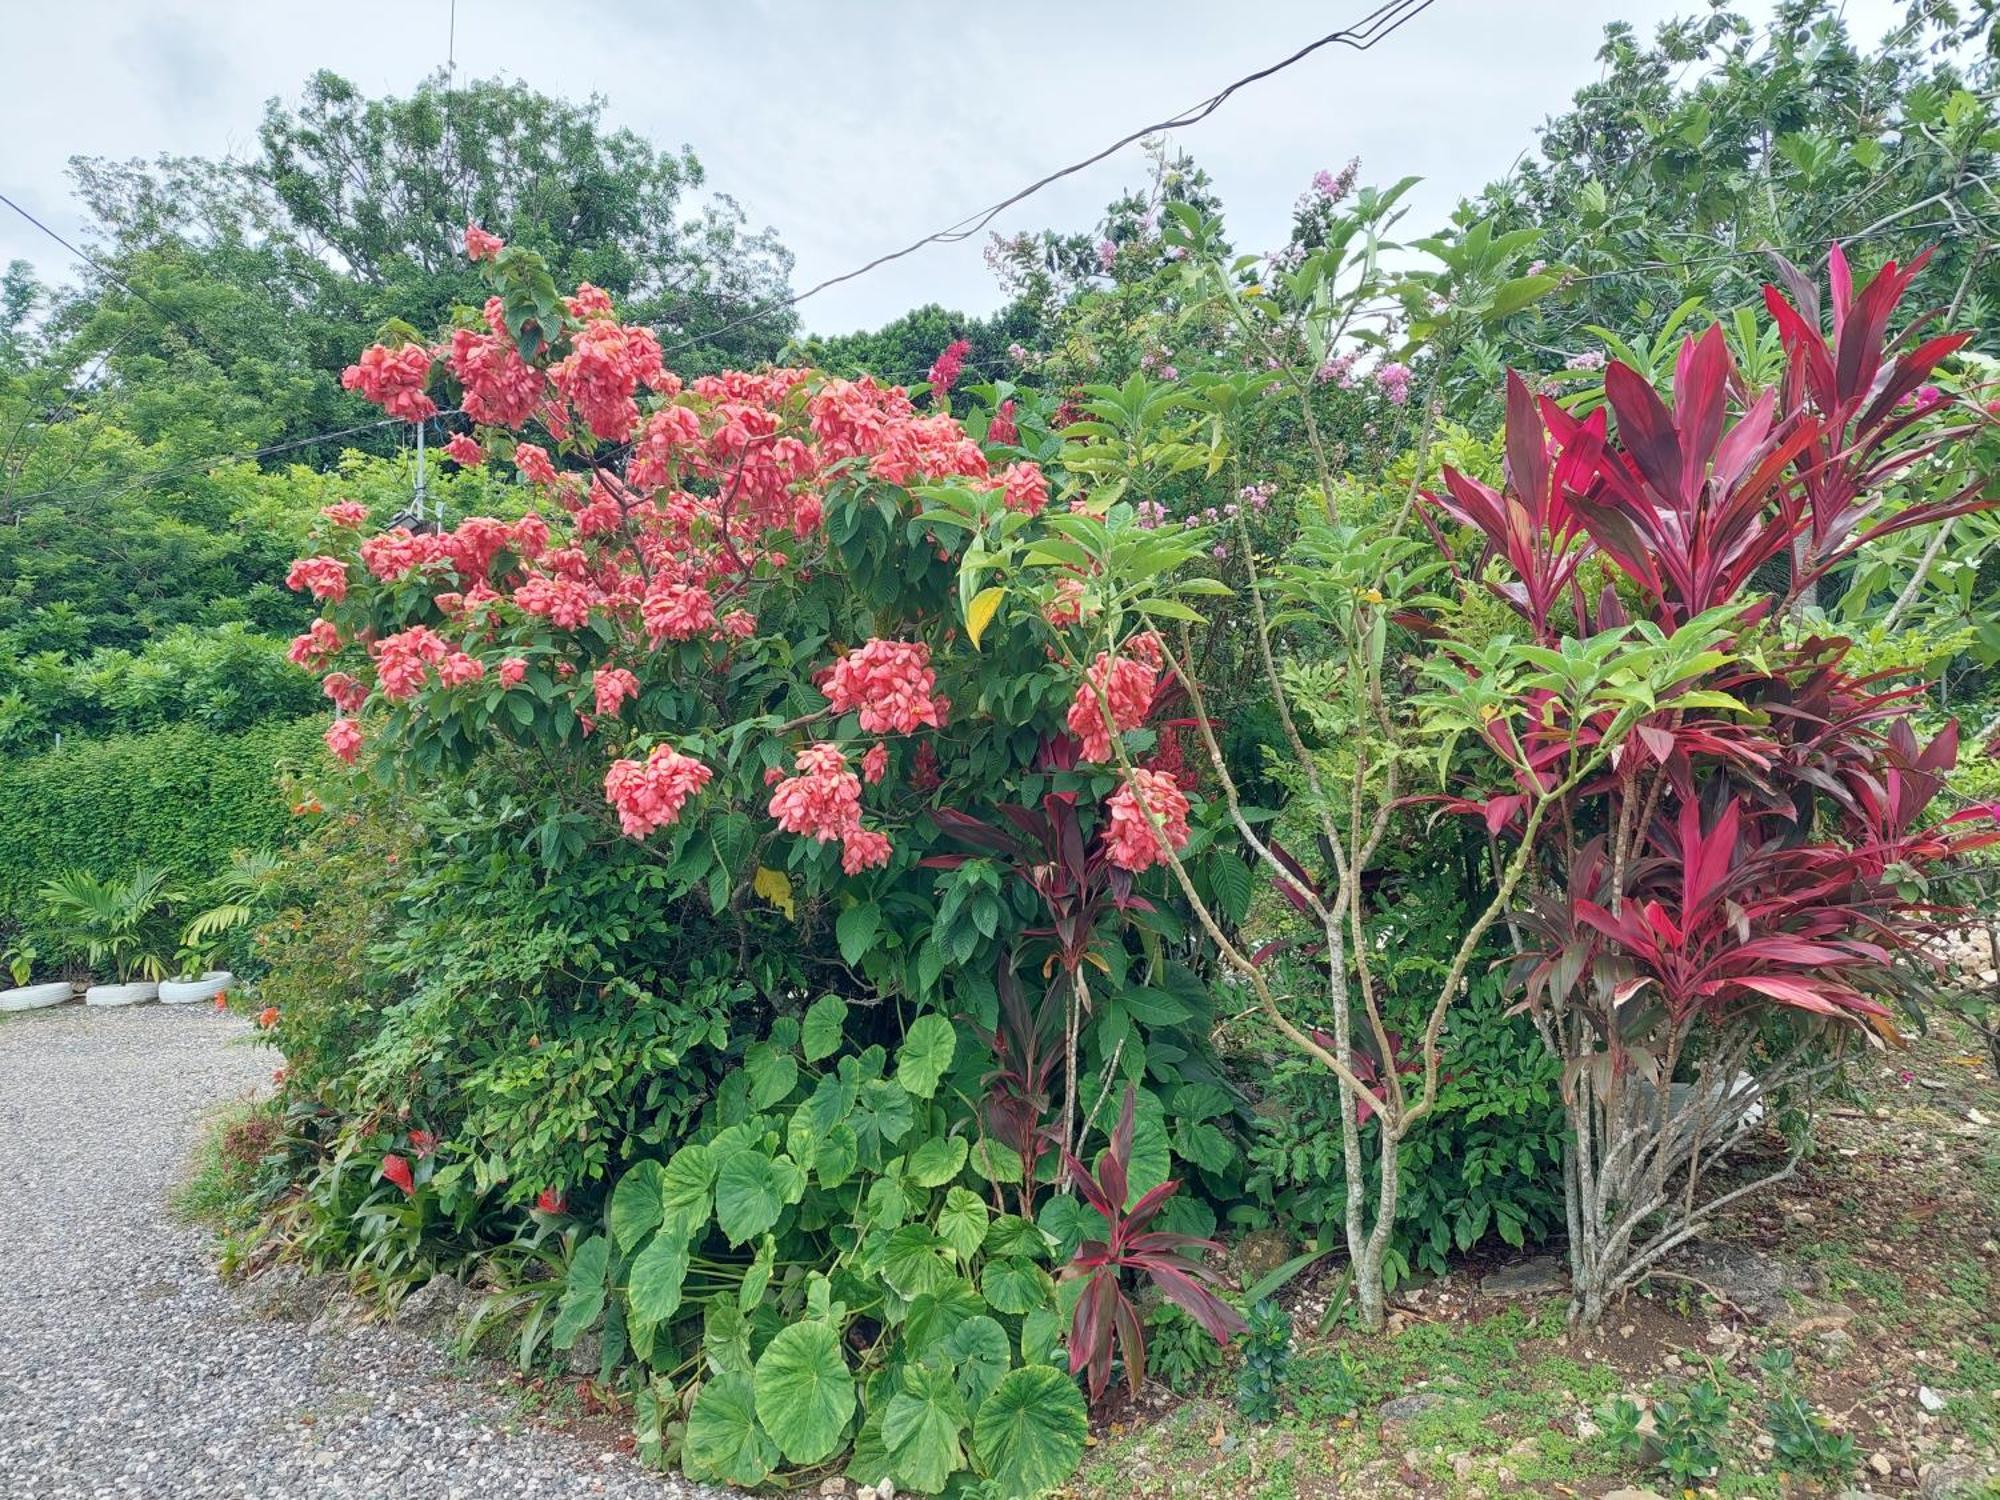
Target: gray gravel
128, 1370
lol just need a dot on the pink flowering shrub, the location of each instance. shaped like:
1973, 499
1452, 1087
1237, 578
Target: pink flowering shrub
704, 607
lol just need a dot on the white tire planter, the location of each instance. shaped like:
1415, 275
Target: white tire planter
188, 991
35, 996
121, 994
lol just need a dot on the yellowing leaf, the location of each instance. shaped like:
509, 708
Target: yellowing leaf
775, 886
979, 613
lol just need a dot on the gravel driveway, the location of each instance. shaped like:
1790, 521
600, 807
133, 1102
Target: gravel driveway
128, 1370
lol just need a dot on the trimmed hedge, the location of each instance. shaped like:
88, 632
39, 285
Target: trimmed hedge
182, 798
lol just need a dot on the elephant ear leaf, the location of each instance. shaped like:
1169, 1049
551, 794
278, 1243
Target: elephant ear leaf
724, 1438
805, 1393
921, 1428
583, 1292
1028, 1436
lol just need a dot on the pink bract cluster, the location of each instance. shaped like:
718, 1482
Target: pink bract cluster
1128, 684
890, 685
1129, 838
644, 564
651, 795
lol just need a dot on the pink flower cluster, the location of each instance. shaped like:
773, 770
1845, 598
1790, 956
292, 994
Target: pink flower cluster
823, 802
1129, 839
479, 245
1393, 380
347, 513
607, 363
948, 366
394, 379
322, 577
343, 738
652, 795
1025, 486
611, 686
1127, 684
890, 684
1003, 429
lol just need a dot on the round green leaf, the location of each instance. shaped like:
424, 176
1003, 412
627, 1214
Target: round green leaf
804, 1392
1014, 1286
825, 1019
834, 1155
653, 1285
937, 1160
685, 1186
748, 1195
1028, 1436
636, 1207
773, 1075
920, 1429
909, 1261
980, 1355
961, 1223
724, 1440
925, 1054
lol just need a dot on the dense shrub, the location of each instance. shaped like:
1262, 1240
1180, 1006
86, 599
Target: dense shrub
181, 799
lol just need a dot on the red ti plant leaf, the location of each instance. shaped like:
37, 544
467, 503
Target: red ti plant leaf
1105, 1320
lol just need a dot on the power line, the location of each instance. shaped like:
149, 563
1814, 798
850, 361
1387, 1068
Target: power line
1379, 24
134, 481
112, 276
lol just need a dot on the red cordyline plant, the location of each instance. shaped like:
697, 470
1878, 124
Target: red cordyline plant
1105, 1318
1726, 900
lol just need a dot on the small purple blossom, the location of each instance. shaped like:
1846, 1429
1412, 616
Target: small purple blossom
1107, 255
1019, 355
1151, 514
1338, 369
1393, 380
1590, 359
1218, 552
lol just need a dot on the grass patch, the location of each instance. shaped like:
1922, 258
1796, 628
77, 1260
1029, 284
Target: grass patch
219, 1190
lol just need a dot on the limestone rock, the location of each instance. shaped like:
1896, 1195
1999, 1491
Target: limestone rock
1537, 1276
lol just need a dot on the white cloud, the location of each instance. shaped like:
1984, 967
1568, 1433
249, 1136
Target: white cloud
851, 127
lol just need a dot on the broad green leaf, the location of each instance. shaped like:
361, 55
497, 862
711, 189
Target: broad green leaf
882, 1115
825, 1018
980, 1354
685, 1187
937, 1161
724, 1439
804, 1391
1039, 1332
758, 1276
961, 1223
835, 1155
925, 1054
911, 1262
748, 1195
1014, 1286
773, 1075
920, 1429
1011, 1234
855, 930
636, 1206
1028, 1436
653, 1285
583, 1292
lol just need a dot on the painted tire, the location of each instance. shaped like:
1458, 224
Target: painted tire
35, 996
121, 994
188, 991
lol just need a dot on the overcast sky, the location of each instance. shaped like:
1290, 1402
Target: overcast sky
850, 127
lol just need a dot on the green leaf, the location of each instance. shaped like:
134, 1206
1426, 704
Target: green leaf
1028, 1436
925, 1054
804, 1391
961, 1223
909, 1261
1014, 1286
684, 1188
724, 1440
1039, 1331
920, 1429
748, 1195
636, 1206
758, 1276
856, 928
937, 1160
825, 1020
1069, 1223
773, 1075
835, 1155
980, 1354
583, 1291
882, 1114
653, 1285
1521, 292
